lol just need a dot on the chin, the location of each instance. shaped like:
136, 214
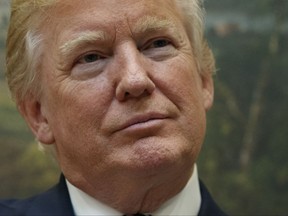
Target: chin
161, 156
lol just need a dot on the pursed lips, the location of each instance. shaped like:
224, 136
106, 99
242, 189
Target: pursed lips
144, 118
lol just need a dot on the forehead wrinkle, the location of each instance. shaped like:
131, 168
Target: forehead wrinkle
82, 38
152, 23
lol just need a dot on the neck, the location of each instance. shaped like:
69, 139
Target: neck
145, 195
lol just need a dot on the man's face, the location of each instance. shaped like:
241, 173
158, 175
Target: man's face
122, 94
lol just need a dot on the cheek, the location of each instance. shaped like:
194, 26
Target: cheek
180, 82
182, 85
76, 127
78, 109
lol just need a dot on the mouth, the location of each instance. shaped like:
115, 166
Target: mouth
143, 121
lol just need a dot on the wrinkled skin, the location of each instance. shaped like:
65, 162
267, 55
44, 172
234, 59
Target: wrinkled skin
126, 112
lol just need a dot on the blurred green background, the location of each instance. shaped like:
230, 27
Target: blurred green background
244, 160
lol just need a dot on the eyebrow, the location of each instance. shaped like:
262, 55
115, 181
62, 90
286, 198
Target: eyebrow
83, 38
152, 23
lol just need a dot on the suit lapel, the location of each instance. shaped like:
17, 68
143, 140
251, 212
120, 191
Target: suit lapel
208, 205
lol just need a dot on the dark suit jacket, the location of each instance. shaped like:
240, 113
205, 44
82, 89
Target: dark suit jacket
56, 201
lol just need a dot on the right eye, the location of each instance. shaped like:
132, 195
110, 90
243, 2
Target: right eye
89, 58
89, 64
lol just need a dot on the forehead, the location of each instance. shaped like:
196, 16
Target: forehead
114, 6
110, 12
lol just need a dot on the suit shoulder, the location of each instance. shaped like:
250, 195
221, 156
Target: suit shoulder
55, 201
13, 206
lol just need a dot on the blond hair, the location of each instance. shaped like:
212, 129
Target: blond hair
194, 12
23, 47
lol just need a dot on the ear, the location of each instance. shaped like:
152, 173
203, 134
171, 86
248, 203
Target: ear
207, 91
31, 110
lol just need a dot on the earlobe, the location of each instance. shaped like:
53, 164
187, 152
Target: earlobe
31, 110
208, 91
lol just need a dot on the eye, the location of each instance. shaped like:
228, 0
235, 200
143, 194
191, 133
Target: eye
159, 43
159, 49
89, 58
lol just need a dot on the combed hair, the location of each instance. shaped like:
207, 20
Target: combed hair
24, 47
194, 12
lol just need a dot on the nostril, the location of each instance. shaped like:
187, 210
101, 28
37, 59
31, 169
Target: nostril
127, 94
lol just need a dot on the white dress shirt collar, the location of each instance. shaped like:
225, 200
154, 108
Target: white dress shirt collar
187, 202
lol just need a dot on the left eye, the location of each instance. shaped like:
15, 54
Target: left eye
160, 43
89, 58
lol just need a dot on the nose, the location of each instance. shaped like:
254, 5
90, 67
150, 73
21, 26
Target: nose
134, 78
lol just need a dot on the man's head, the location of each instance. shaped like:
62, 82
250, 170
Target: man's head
119, 87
